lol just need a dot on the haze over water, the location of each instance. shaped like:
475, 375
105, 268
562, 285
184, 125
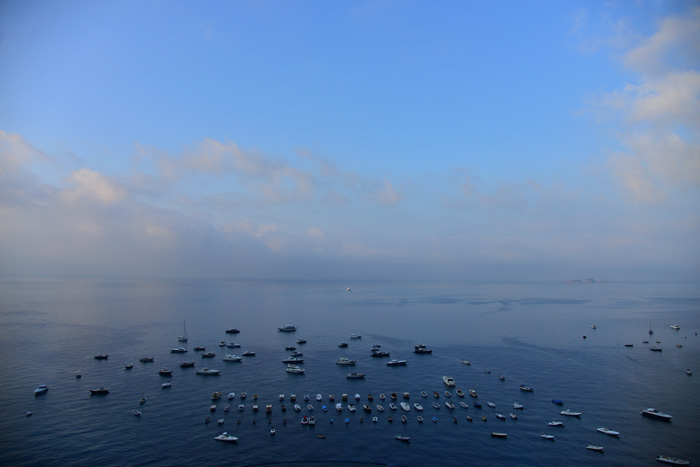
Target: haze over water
531, 333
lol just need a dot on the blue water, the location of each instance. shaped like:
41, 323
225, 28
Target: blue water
532, 333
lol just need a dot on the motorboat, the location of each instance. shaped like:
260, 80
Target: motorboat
331, 398
248, 353
557, 402
460, 393
199, 348
166, 385
449, 381
495, 434
295, 369
305, 420
501, 377
344, 397
449, 405
319, 397
546, 436
243, 396
555, 423
216, 395
671, 460
187, 364
395, 362
380, 354
208, 355
483, 418
255, 407
345, 361
491, 404
423, 394
339, 407
146, 359
393, 406
231, 395
420, 419
220, 421
357, 397
477, 405
403, 438
178, 350
500, 416
137, 413
513, 416
463, 405
436, 406
466, 362
165, 372
380, 408
417, 406
297, 354
128, 366
655, 349
342, 345
525, 388
366, 408
656, 414
608, 431
355, 376
225, 437
382, 396
272, 431
352, 408
99, 391
212, 408
301, 341
232, 331
473, 393
593, 447
233, 345
375, 419
288, 328
222, 344
448, 394
593, 326
228, 407
324, 408
290, 347
517, 406
405, 406
370, 397
570, 413
42, 389
675, 326
629, 345
309, 407
355, 336
232, 358
689, 372
241, 407
404, 419
312, 420
142, 401
393, 396
208, 372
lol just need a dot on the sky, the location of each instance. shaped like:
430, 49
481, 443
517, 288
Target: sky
350, 140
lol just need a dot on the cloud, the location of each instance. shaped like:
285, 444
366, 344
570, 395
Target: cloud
92, 186
15, 152
659, 114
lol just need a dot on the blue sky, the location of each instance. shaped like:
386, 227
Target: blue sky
348, 140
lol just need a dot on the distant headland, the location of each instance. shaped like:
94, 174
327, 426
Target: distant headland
586, 281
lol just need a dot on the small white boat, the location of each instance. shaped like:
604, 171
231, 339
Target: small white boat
675, 326
79, 375
137, 413
517, 406
463, 405
593, 447
339, 407
178, 350
555, 423
417, 406
220, 421
526, 388
546, 436
352, 408
671, 460
319, 397
594, 326
473, 393
208, 372
395, 362
42, 389
231, 395
405, 439
656, 414
449, 405
241, 407
449, 381
288, 328
405, 406
295, 369
500, 416
166, 385
491, 404
355, 336
225, 437
513, 416
495, 434
689, 372
345, 361
297, 408
380, 408
466, 362
393, 406
375, 419
570, 413
608, 431
232, 358
272, 432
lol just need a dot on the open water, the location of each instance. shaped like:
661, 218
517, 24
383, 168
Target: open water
531, 333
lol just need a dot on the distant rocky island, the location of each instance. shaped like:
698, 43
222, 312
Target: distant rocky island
586, 281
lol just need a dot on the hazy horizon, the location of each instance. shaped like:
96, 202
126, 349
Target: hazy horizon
355, 140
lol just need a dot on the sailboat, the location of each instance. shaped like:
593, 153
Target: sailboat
650, 331
183, 337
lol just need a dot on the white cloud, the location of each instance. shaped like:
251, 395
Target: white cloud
92, 186
15, 152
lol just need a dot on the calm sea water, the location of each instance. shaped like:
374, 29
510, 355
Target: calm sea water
531, 333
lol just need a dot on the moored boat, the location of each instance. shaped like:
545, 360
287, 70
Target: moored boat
295, 369
449, 381
208, 372
395, 362
653, 413
42, 389
99, 391
355, 376
345, 361
232, 358
187, 364
288, 328
546, 436
225, 437
178, 350
526, 388
495, 434
570, 413
593, 447
672, 460
608, 431
101, 356
403, 438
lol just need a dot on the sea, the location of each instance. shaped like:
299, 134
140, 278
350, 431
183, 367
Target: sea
531, 333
